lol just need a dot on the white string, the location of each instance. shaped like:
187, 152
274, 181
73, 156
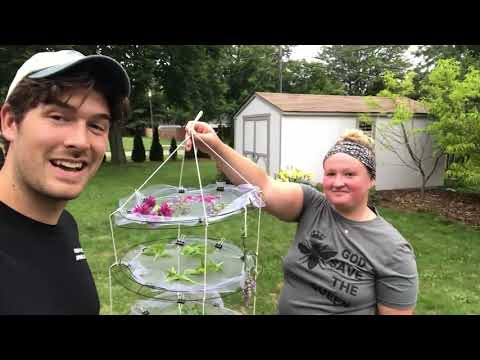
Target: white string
149, 178
110, 268
245, 222
204, 211
245, 228
110, 287
181, 168
204, 143
119, 209
256, 260
179, 296
206, 227
113, 238
180, 183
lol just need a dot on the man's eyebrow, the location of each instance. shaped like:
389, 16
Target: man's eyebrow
61, 104
102, 116
71, 108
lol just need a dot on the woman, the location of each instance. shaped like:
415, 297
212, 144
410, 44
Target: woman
345, 258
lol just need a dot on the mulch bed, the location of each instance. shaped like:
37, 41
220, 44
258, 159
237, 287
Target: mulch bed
459, 206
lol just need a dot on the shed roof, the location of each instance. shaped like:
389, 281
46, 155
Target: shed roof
333, 103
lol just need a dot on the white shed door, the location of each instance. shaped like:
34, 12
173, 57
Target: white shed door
256, 139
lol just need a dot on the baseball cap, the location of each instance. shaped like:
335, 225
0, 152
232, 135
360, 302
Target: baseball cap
45, 65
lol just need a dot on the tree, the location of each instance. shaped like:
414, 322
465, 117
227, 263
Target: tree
140, 62
138, 152
453, 99
11, 58
303, 77
360, 68
250, 68
411, 145
156, 149
467, 55
191, 81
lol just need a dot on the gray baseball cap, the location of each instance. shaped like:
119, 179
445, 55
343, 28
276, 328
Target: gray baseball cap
50, 64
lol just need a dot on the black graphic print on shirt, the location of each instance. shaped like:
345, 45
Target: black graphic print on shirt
315, 252
346, 270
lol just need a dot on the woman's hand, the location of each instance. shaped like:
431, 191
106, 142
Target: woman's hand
201, 131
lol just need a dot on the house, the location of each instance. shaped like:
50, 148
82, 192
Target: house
279, 130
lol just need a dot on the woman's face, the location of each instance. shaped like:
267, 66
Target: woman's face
346, 182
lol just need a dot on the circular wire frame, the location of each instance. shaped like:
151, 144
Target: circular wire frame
146, 273
158, 307
172, 206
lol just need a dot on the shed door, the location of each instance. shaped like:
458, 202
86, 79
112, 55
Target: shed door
256, 139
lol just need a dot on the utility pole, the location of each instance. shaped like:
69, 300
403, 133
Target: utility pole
280, 66
151, 112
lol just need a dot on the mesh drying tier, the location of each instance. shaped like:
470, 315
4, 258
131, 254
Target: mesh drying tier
178, 266
158, 307
163, 205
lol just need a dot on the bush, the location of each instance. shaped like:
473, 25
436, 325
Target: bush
295, 175
190, 155
138, 152
156, 150
173, 146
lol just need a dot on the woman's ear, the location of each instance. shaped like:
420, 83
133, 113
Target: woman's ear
372, 184
9, 126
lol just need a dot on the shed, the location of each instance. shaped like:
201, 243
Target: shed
280, 130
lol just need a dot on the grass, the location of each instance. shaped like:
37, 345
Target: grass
147, 143
448, 253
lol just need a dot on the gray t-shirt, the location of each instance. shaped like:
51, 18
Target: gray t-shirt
340, 266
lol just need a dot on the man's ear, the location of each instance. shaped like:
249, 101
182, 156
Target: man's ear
9, 126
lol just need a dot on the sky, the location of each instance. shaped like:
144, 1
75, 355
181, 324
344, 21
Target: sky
308, 52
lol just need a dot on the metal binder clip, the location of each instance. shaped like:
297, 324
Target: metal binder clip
180, 299
219, 245
180, 241
144, 312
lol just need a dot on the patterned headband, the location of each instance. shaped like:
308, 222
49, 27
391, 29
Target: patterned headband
358, 151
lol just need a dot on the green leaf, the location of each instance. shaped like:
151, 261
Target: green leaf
156, 250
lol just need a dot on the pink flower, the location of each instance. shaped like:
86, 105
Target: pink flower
149, 202
141, 209
165, 210
208, 198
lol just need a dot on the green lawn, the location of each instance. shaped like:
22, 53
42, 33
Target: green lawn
147, 142
448, 253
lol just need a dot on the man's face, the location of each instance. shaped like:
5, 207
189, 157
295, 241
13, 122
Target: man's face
346, 182
57, 148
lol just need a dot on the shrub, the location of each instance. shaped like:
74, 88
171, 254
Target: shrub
156, 150
295, 175
173, 146
190, 155
138, 152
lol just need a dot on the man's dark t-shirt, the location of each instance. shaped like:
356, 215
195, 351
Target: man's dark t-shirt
43, 269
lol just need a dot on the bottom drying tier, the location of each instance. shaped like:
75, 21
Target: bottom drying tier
158, 307
179, 266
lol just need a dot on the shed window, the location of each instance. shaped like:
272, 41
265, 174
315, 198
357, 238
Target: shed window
366, 127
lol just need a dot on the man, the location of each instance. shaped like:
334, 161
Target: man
55, 123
